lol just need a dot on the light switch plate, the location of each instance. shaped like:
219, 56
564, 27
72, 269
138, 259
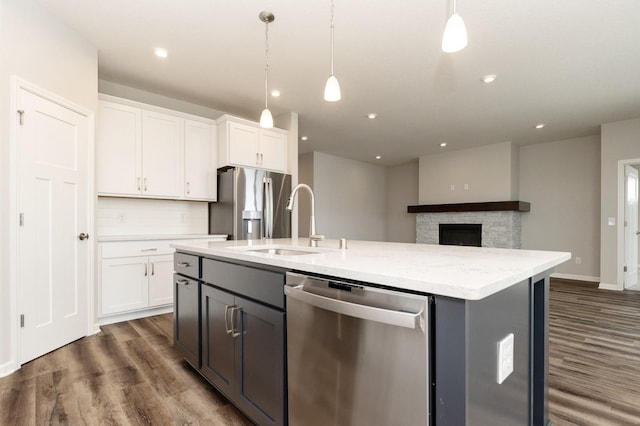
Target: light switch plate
505, 358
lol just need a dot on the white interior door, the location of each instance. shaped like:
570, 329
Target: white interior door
53, 263
631, 227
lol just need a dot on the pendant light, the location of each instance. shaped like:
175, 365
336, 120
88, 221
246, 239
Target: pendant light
454, 38
266, 119
332, 88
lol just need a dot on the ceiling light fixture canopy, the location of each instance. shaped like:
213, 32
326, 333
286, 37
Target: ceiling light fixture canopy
454, 38
266, 119
332, 88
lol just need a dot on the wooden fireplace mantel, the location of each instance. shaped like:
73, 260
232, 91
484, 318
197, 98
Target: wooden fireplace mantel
491, 206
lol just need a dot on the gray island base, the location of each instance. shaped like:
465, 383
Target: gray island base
486, 327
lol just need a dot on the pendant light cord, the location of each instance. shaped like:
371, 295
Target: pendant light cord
331, 37
454, 6
266, 66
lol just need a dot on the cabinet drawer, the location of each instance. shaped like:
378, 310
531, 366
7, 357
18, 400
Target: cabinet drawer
187, 264
135, 248
258, 284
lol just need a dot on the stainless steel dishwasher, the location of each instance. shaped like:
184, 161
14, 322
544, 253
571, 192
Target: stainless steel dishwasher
357, 355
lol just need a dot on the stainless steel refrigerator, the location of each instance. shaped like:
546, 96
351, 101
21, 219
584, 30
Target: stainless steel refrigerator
251, 204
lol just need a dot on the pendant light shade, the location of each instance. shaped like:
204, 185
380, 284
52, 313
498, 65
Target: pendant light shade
454, 38
266, 119
332, 88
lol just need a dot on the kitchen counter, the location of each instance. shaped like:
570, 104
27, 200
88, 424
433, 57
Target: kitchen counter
154, 237
468, 273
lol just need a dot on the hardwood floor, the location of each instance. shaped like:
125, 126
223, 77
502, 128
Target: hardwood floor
127, 375
130, 374
594, 356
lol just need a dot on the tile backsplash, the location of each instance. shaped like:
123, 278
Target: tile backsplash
136, 216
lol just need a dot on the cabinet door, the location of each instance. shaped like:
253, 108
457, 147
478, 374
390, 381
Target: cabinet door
162, 155
118, 149
260, 371
186, 319
123, 284
217, 345
273, 151
160, 280
243, 143
200, 152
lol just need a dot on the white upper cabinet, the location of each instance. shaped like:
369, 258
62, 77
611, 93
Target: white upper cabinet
244, 143
162, 155
145, 151
200, 155
118, 149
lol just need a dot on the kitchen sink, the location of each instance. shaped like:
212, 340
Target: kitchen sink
283, 251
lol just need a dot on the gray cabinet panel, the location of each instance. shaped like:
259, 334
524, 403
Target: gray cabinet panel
186, 316
260, 371
218, 353
257, 284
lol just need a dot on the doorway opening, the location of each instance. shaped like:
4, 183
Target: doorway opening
629, 233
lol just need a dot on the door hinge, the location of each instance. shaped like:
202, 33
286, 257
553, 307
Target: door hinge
21, 114
21, 219
624, 269
21, 320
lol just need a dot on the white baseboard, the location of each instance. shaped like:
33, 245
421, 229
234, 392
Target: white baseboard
575, 277
135, 315
605, 286
8, 368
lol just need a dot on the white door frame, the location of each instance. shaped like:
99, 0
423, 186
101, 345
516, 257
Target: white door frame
18, 84
620, 255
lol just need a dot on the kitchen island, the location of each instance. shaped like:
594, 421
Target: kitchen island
479, 299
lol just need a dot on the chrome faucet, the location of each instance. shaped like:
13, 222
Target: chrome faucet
313, 237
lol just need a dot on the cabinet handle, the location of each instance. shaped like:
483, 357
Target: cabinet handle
257, 158
150, 249
226, 319
183, 264
185, 282
153, 268
139, 186
145, 184
145, 270
188, 188
261, 158
234, 309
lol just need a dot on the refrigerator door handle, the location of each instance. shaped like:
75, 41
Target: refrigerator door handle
269, 207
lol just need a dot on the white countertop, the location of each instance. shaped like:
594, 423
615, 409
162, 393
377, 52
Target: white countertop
470, 273
105, 238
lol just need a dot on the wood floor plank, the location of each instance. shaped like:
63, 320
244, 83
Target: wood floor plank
130, 374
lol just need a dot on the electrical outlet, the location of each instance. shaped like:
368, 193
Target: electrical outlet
466, 186
452, 187
578, 260
505, 358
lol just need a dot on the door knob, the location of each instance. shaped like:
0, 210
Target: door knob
83, 236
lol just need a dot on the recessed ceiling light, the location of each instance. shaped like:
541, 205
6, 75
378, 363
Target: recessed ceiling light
489, 78
539, 126
304, 138
443, 144
372, 115
275, 93
378, 157
160, 52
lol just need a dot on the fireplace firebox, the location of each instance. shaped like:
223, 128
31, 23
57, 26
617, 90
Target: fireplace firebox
460, 234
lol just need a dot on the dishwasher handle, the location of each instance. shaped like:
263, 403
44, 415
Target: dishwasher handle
386, 316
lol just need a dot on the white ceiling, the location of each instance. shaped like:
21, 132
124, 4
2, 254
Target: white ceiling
571, 64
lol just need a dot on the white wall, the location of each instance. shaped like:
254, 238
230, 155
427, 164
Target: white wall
37, 47
561, 180
402, 191
491, 173
620, 141
350, 198
303, 201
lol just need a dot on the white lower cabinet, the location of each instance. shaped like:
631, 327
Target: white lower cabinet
135, 278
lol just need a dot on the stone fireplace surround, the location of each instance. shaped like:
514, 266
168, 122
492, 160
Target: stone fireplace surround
500, 221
